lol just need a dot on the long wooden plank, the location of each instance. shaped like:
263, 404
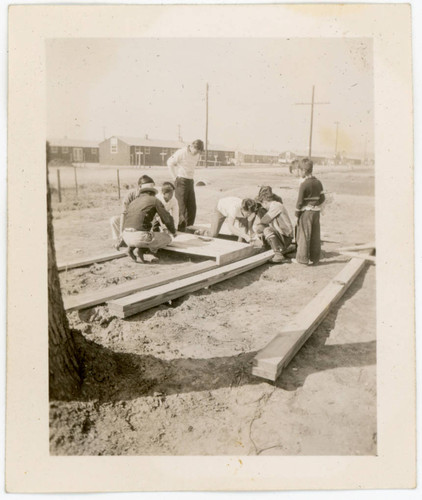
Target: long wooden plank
127, 306
367, 246
86, 261
96, 297
357, 255
223, 251
224, 231
270, 361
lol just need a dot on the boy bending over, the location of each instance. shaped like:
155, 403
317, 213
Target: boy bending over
275, 224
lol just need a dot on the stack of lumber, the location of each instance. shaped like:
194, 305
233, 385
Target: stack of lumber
90, 299
223, 251
354, 252
231, 258
270, 361
133, 304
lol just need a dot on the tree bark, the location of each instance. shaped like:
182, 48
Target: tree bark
64, 366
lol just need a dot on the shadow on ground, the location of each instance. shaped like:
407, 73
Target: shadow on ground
316, 356
235, 283
113, 376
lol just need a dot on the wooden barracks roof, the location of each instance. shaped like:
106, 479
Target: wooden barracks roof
138, 141
160, 143
73, 143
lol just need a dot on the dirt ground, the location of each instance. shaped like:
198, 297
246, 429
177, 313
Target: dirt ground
176, 379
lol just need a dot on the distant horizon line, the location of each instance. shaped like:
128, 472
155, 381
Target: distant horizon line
248, 150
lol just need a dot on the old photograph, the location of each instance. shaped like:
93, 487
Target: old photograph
213, 211
213, 241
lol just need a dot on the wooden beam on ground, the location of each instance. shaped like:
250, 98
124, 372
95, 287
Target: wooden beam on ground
223, 234
367, 246
133, 304
270, 361
223, 251
87, 261
90, 299
356, 255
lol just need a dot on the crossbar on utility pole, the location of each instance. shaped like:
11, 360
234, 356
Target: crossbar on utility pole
312, 103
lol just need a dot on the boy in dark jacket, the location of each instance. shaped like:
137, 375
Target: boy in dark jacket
310, 197
138, 220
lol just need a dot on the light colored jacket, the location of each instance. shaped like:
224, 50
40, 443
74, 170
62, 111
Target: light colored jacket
278, 218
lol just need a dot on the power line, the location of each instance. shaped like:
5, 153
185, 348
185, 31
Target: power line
312, 103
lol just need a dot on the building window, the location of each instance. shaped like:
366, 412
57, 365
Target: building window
54, 149
113, 145
147, 150
94, 151
65, 149
164, 150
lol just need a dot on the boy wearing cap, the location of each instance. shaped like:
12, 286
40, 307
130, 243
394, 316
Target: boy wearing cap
137, 224
116, 221
182, 167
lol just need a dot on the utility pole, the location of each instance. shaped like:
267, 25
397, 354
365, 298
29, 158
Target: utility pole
178, 133
312, 103
206, 127
335, 151
365, 159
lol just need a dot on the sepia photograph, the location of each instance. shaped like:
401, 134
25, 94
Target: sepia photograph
215, 249
212, 207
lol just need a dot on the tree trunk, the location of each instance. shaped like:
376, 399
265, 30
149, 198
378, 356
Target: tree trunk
64, 368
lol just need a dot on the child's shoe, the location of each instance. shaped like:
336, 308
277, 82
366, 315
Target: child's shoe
131, 254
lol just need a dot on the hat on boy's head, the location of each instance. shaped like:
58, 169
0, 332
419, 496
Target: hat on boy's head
167, 187
147, 187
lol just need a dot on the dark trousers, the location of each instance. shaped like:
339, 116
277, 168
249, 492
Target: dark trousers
308, 237
185, 196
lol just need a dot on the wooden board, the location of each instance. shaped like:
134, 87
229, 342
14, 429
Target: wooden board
356, 255
223, 234
90, 299
127, 306
87, 261
224, 231
367, 246
223, 251
270, 361
226, 234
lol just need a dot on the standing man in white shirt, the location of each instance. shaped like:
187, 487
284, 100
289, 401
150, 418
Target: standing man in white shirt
182, 167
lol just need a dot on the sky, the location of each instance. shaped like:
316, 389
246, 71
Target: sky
98, 88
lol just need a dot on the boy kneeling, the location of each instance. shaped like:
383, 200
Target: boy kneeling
275, 225
137, 225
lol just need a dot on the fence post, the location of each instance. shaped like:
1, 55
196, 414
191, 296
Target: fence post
59, 189
76, 181
118, 183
